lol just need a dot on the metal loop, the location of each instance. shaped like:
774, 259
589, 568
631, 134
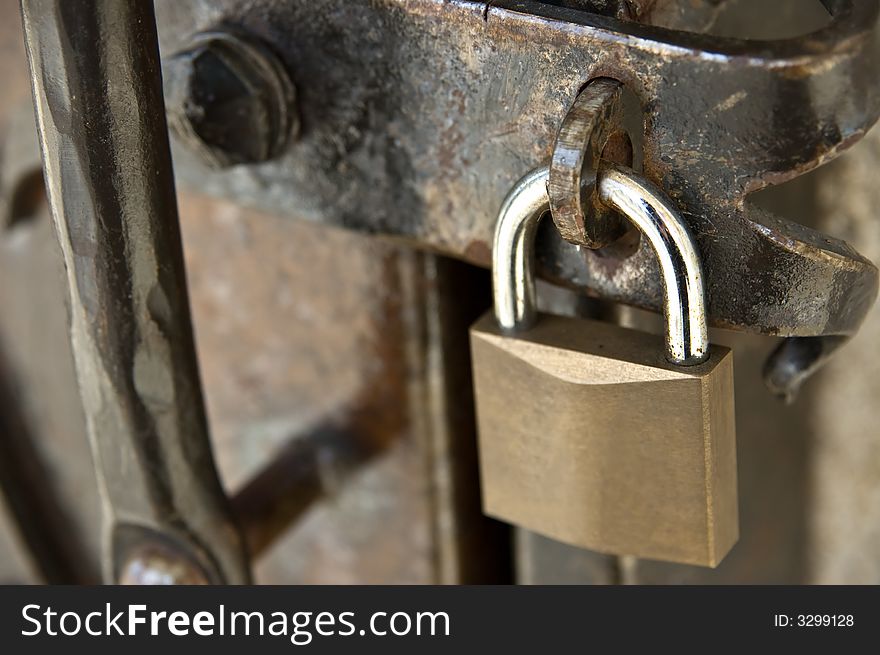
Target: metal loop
687, 340
513, 281
592, 131
684, 294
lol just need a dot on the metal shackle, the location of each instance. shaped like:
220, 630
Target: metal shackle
684, 296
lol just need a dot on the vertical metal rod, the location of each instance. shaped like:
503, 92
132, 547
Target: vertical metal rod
101, 118
684, 294
513, 277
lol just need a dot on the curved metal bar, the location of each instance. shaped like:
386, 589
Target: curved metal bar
687, 336
684, 296
513, 277
795, 360
98, 99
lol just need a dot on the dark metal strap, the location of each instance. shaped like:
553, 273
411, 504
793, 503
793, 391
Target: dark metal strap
100, 113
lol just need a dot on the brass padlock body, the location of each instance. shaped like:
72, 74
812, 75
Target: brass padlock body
589, 436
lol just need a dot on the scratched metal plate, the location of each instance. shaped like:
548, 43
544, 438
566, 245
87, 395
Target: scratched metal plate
416, 124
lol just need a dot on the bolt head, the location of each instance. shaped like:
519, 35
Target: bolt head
230, 99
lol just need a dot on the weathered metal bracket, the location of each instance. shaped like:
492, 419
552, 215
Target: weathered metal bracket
417, 122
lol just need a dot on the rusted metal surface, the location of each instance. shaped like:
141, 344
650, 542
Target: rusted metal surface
417, 127
97, 91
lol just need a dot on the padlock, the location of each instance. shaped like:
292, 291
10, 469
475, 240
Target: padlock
589, 433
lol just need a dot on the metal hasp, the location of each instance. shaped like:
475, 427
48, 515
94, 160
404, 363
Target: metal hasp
418, 121
100, 114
